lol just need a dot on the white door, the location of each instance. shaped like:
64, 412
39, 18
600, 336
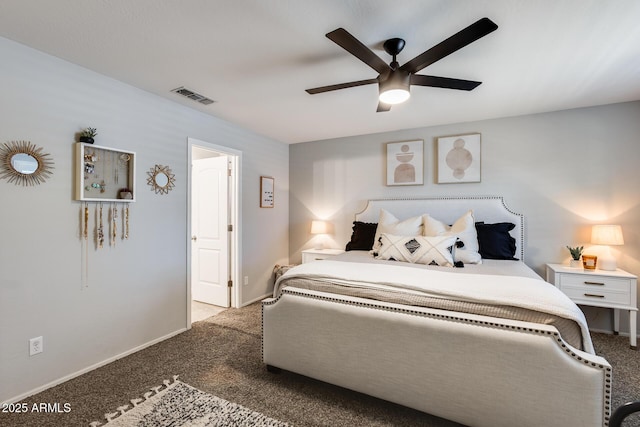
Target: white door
209, 235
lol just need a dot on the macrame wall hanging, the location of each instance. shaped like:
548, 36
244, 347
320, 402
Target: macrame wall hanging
112, 219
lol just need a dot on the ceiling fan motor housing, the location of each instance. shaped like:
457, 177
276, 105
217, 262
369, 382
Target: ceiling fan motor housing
395, 88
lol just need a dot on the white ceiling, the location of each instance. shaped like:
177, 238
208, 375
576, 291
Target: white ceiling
255, 58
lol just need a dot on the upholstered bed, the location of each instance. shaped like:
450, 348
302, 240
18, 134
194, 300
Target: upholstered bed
424, 321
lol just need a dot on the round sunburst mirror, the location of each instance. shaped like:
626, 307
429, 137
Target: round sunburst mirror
23, 163
161, 179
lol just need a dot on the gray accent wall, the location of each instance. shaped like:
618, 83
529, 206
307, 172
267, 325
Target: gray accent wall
563, 170
136, 291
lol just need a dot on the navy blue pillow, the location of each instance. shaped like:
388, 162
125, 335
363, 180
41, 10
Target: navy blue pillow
495, 242
362, 237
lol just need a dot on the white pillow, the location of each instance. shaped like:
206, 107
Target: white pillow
391, 225
417, 249
464, 229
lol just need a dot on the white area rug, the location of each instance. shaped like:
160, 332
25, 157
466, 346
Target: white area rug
179, 405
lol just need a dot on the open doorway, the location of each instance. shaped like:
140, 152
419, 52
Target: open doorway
213, 229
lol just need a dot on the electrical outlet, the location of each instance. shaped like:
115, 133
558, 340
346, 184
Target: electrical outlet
35, 346
246, 280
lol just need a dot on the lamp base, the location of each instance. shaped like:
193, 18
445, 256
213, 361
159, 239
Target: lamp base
607, 263
606, 260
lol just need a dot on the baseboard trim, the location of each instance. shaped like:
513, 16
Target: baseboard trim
610, 332
91, 368
603, 331
246, 303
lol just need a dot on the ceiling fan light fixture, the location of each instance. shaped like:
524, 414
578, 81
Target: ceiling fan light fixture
395, 90
394, 96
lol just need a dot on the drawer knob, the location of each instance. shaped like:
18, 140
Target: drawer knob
594, 283
594, 296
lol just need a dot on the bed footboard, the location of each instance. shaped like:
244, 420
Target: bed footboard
475, 370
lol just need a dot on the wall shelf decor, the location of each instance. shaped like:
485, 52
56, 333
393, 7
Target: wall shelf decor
104, 174
24, 163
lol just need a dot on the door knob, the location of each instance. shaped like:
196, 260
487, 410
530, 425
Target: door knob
194, 238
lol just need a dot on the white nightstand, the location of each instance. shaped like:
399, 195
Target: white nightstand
309, 255
599, 288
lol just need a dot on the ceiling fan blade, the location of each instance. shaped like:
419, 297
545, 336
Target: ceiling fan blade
382, 107
457, 41
444, 82
340, 86
355, 47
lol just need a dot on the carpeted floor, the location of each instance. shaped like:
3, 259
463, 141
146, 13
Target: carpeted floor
222, 356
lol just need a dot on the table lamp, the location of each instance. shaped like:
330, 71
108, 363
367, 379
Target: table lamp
607, 235
319, 227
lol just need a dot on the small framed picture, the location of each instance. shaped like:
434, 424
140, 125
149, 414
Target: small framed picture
459, 159
266, 191
405, 163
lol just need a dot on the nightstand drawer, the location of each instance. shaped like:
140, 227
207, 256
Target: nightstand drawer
596, 296
314, 257
310, 255
594, 283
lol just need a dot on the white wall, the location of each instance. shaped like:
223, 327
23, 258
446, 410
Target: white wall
137, 290
564, 171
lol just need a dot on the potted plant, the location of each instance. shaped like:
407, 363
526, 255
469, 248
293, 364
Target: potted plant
88, 134
576, 253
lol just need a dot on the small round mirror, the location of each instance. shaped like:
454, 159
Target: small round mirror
161, 179
24, 163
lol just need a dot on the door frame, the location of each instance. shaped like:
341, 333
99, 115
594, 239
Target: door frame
235, 218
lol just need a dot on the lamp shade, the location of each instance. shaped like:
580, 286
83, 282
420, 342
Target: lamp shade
607, 235
319, 227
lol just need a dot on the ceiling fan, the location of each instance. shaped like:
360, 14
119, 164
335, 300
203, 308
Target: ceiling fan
394, 80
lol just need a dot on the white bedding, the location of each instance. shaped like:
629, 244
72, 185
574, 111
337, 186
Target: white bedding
526, 292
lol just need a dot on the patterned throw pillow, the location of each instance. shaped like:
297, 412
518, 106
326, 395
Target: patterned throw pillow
435, 250
464, 229
389, 224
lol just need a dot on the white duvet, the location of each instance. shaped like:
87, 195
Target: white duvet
523, 292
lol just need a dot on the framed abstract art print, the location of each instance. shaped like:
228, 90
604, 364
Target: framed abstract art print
459, 159
405, 163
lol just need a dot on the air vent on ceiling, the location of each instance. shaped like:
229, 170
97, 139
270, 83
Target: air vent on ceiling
193, 95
